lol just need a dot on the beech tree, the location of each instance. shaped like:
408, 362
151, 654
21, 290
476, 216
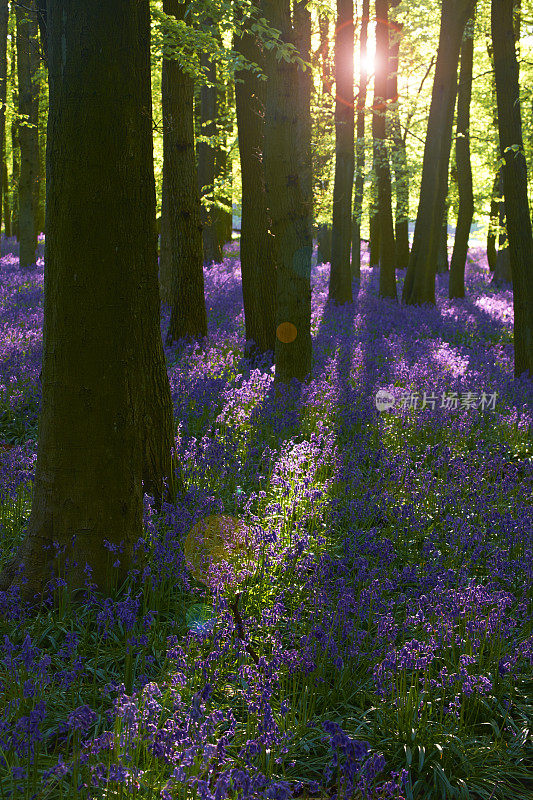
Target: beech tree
340, 281
398, 151
360, 143
4, 20
206, 158
514, 171
289, 205
28, 108
419, 284
464, 168
387, 272
257, 252
106, 421
181, 260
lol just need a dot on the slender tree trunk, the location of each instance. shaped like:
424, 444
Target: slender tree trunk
102, 354
324, 244
223, 216
43, 113
464, 168
258, 265
493, 223
387, 272
398, 155
182, 230
373, 214
442, 253
6, 207
340, 283
28, 135
288, 204
419, 285
206, 163
15, 148
514, 182
360, 144
502, 268
302, 36
4, 20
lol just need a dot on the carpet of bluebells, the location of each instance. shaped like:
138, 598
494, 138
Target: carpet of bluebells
389, 602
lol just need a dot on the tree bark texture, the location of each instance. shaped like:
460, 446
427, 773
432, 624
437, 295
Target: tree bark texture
4, 20
181, 235
258, 264
340, 281
464, 168
102, 353
289, 206
419, 285
514, 182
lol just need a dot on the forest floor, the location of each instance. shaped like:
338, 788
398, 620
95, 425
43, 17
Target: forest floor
389, 591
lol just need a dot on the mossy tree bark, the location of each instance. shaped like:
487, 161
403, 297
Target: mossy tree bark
257, 251
514, 182
419, 285
28, 107
464, 167
360, 144
181, 235
340, 281
288, 202
106, 413
387, 272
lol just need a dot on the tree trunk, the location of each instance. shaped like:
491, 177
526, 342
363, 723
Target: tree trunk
360, 145
258, 266
4, 20
15, 149
290, 210
419, 285
43, 113
324, 244
464, 168
28, 107
442, 253
302, 36
206, 162
514, 182
6, 207
373, 213
387, 272
340, 281
398, 155
493, 223
223, 161
102, 351
181, 236
502, 268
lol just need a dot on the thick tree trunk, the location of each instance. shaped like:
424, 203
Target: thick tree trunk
288, 204
257, 252
398, 155
102, 356
419, 285
181, 236
464, 168
340, 281
514, 182
360, 144
206, 163
387, 272
28, 107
